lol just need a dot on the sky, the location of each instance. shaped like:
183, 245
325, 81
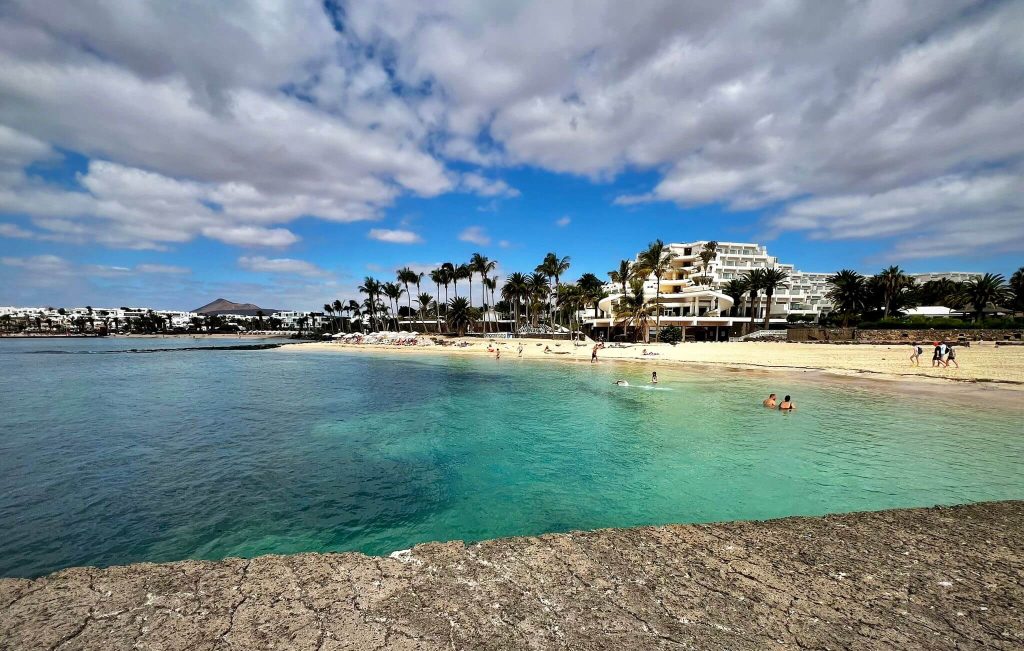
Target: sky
278, 151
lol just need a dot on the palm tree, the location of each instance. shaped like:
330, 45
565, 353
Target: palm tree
773, 278
450, 277
592, 289
753, 279
537, 293
735, 289
354, 312
406, 275
990, 288
490, 284
462, 272
553, 267
892, 282
515, 290
394, 292
437, 277
1017, 287
482, 265
848, 293
707, 254
371, 287
622, 274
460, 315
634, 308
328, 309
657, 260
338, 309
424, 300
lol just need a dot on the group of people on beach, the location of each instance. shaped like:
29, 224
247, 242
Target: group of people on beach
942, 354
772, 402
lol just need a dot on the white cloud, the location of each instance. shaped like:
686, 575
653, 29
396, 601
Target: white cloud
162, 269
475, 235
562, 222
472, 182
38, 264
282, 266
395, 236
203, 121
747, 105
15, 231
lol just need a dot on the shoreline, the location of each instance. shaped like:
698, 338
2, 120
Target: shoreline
934, 577
992, 367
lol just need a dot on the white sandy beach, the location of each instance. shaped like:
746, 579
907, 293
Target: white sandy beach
982, 362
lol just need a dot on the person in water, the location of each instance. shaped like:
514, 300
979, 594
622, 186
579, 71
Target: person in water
770, 401
786, 404
593, 354
621, 383
654, 377
497, 353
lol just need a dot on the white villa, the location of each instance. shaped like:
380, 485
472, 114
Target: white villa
702, 309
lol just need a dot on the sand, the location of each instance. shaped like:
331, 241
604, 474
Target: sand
980, 363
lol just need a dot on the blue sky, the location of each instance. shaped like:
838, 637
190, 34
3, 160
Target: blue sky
165, 158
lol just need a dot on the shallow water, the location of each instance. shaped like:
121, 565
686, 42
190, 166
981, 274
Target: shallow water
115, 458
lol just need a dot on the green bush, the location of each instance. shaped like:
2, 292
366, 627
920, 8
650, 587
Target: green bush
671, 335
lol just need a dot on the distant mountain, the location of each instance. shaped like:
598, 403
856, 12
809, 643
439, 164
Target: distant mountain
223, 306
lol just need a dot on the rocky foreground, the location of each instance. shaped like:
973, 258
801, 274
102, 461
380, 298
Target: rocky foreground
908, 579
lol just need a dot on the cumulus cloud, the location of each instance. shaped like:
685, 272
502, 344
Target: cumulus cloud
475, 235
231, 124
394, 236
744, 104
282, 266
485, 187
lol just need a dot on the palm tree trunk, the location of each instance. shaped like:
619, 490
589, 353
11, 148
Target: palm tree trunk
657, 306
768, 306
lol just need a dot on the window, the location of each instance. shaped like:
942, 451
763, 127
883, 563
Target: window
688, 251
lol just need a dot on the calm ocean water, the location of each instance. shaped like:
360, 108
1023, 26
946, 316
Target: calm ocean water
122, 457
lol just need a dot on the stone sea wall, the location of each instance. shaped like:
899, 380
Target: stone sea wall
901, 336
941, 578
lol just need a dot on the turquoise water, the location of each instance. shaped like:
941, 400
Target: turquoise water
121, 457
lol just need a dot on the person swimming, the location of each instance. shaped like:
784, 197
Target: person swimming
621, 383
654, 377
787, 404
770, 401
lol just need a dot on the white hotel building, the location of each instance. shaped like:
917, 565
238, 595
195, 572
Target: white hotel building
704, 310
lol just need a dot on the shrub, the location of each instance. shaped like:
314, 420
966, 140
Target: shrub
671, 335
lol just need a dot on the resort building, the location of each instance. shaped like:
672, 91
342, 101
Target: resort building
693, 296
955, 276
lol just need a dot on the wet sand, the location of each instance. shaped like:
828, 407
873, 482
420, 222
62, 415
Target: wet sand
940, 578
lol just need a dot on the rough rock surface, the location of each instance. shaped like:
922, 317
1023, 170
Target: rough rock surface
938, 578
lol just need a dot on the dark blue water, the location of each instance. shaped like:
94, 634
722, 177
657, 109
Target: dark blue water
110, 458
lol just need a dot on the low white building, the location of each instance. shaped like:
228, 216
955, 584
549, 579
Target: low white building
955, 276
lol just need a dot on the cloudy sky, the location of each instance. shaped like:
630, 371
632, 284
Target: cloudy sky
277, 151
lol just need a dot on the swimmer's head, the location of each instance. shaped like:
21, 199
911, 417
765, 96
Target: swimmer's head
787, 398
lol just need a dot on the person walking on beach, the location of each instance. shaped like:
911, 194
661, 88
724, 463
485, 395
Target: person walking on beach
915, 355
770, 401
951, 356
937, 355
520, 349
497, 353
593, 354
787, 404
